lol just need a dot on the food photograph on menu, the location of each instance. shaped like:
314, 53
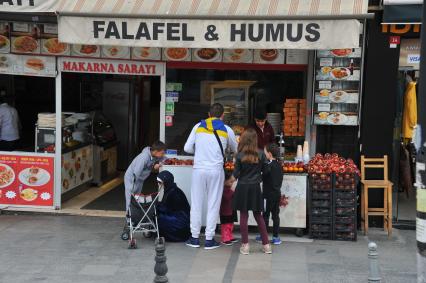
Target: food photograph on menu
146, 53
238, 56
84, 50
206, 55
116, 52
177, 54
269, 56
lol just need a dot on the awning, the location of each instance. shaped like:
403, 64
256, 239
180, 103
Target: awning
216, 8
402, 11
28, 6
286, 24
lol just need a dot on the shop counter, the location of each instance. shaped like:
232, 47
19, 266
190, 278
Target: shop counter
294, 188
77, 167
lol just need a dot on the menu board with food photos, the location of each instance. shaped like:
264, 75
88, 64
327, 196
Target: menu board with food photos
4, 37
26, 179
337, 87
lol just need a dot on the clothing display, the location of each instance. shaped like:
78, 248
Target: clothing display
409, 118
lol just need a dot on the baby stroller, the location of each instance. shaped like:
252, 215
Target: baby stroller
141, 217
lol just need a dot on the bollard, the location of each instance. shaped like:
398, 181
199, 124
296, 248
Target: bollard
160, 268
373, 255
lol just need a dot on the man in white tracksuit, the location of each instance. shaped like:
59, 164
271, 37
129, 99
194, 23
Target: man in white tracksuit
208, 175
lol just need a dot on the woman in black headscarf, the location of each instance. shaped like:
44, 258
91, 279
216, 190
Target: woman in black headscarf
173, 210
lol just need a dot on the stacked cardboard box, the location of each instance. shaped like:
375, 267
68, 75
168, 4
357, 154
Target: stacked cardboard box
294, 117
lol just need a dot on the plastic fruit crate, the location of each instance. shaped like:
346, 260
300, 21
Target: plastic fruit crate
321, 227
321, 203
345, 211
321, 211
322, 220
321, 195
345, 236
344, 220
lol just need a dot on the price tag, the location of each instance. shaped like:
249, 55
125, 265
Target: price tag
326, 62
324, 84
323, 107
21, 27
50, 28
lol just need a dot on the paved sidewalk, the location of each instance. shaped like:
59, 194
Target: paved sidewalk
75, 249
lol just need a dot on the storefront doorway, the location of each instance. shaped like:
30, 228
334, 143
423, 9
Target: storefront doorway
118, 113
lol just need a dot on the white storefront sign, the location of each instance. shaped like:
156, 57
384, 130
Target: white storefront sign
191, 33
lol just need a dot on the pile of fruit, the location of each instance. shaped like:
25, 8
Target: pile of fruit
294, 167
229, 166
331, 163
180, 162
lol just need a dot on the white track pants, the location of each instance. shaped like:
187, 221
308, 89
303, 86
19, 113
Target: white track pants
210, 182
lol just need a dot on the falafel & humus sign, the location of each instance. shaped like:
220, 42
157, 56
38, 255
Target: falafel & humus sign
195, 33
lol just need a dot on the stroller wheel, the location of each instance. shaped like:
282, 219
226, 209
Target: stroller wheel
147, 234
132, 244
125, 236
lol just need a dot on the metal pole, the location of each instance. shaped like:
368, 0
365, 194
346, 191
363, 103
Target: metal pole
160, 268
421, 161
373, 264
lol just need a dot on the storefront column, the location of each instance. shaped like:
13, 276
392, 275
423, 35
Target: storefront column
58, 139
163, 106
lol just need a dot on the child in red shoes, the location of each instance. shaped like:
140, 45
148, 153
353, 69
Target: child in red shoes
227, 214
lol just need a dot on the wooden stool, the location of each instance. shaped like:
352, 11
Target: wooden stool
385, 184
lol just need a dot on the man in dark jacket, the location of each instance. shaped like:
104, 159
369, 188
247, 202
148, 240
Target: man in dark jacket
265, 133
173, 210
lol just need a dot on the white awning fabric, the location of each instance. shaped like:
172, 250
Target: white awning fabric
212, 8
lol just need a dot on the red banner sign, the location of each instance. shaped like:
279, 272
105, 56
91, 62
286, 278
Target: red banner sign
119, 67
26, 180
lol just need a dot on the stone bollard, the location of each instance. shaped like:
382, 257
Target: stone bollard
160, 268
373, 255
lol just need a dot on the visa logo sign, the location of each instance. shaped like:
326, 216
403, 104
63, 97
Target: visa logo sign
413, 58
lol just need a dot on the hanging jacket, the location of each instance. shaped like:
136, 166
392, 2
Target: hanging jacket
409, 118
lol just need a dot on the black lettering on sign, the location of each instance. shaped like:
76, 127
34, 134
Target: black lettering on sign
157, 28
112, 31
98, 26
275, 33
251, 32
173, 31
241, 32
143, 32
298, 35
18, 2
185, 36
312, 30
124, 32
10, 2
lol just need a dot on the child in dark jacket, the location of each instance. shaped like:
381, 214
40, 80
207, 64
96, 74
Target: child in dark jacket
227, 215
272, 181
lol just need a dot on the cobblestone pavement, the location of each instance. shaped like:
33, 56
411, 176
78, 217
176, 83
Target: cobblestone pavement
59, 249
